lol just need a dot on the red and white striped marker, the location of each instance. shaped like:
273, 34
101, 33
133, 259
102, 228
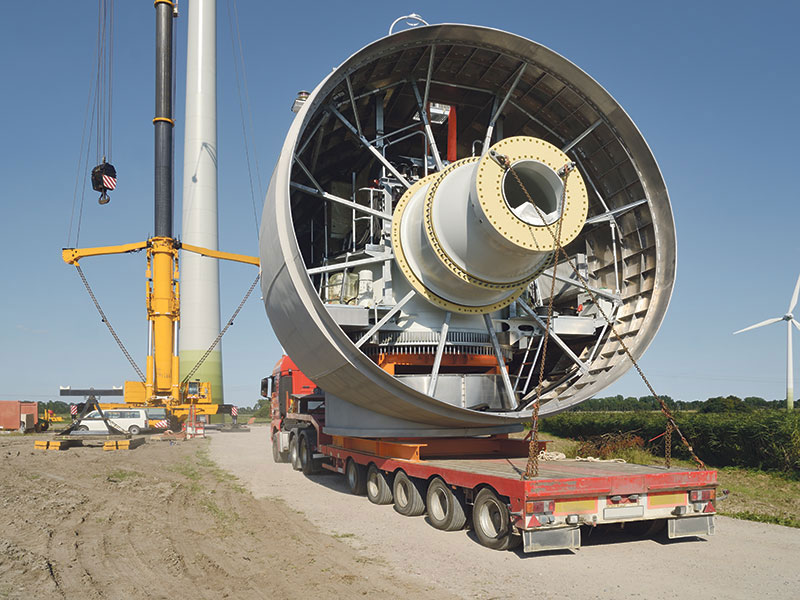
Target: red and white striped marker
234, 411
73, 409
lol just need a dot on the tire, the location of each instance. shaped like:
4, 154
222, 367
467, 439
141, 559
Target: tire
356, 475
407, 496
45, 425
490, 520
81, 428
134, 430
378, 490
445, 507
294, 457
305, 449
277, 455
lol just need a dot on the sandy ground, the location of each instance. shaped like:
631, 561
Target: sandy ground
163, 521
743, 560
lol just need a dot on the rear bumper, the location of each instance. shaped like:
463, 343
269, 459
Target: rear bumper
690, 526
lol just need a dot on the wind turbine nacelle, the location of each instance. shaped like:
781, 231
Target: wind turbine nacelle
409, 272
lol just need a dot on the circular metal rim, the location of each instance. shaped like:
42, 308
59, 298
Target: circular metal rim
345, 366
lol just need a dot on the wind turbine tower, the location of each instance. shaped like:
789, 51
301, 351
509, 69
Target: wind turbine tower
200, 319
790, 320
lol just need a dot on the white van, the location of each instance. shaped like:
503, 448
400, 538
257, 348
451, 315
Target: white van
132, 420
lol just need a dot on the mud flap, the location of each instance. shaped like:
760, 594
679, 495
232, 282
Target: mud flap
541, 540
690, 526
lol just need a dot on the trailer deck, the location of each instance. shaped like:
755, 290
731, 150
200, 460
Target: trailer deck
549, 509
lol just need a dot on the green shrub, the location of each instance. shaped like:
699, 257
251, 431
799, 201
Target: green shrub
765, 439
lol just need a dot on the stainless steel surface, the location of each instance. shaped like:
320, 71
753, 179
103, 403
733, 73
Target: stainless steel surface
489, 76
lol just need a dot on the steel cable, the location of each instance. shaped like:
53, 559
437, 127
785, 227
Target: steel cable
671, 424
108, 324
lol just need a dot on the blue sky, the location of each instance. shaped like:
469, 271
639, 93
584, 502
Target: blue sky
713, 86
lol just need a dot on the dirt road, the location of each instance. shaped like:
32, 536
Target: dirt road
164, 521
743, 560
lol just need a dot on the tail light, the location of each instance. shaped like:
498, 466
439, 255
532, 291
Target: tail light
701, 495
539, 507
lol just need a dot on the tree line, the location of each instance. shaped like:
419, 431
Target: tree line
717, 404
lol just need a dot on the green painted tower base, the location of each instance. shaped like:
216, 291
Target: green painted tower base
210, 370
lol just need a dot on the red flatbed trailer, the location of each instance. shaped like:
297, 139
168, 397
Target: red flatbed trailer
479, 480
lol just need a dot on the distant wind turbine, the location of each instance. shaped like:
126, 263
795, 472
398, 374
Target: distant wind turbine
790, 320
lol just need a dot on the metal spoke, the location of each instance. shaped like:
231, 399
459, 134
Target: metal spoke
385, 318
557, 339
353, 104
349, 264
428, 77
369, 146
437, 361
578, 284
493, 121
610, 215
343, 201
578, 139
501, 363
423, 115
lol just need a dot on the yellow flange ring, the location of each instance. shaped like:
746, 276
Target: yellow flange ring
411, 277
489, 186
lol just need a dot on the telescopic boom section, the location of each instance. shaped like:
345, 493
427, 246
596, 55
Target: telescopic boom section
162, 301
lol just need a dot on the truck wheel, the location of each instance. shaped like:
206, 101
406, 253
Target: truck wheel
356, 477
305, 449
277, 455
134, 430
45, 425
490, 520
294, 456
407, 497
445, 508
378, 490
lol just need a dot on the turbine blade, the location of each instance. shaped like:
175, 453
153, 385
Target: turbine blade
793, 301
796, 324
767, 322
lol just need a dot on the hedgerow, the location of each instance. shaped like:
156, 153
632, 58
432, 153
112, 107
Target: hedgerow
765, 439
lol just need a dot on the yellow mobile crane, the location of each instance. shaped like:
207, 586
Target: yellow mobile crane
161, 384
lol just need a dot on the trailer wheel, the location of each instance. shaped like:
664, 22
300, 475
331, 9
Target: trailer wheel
305, 450
407, 496
45, 425
378, 490
445, 507
294, 456
490, 519
277, 455
356, 477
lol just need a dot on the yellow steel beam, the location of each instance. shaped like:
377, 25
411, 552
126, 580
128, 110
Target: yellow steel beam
242, 258
71, 256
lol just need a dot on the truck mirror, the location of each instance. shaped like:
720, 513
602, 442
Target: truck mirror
265, 387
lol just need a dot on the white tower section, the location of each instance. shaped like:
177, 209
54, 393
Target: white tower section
200, 319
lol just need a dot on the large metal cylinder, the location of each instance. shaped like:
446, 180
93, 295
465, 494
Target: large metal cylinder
414, 290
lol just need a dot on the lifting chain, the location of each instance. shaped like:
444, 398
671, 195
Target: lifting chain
532, 469
222, 332
108, 324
